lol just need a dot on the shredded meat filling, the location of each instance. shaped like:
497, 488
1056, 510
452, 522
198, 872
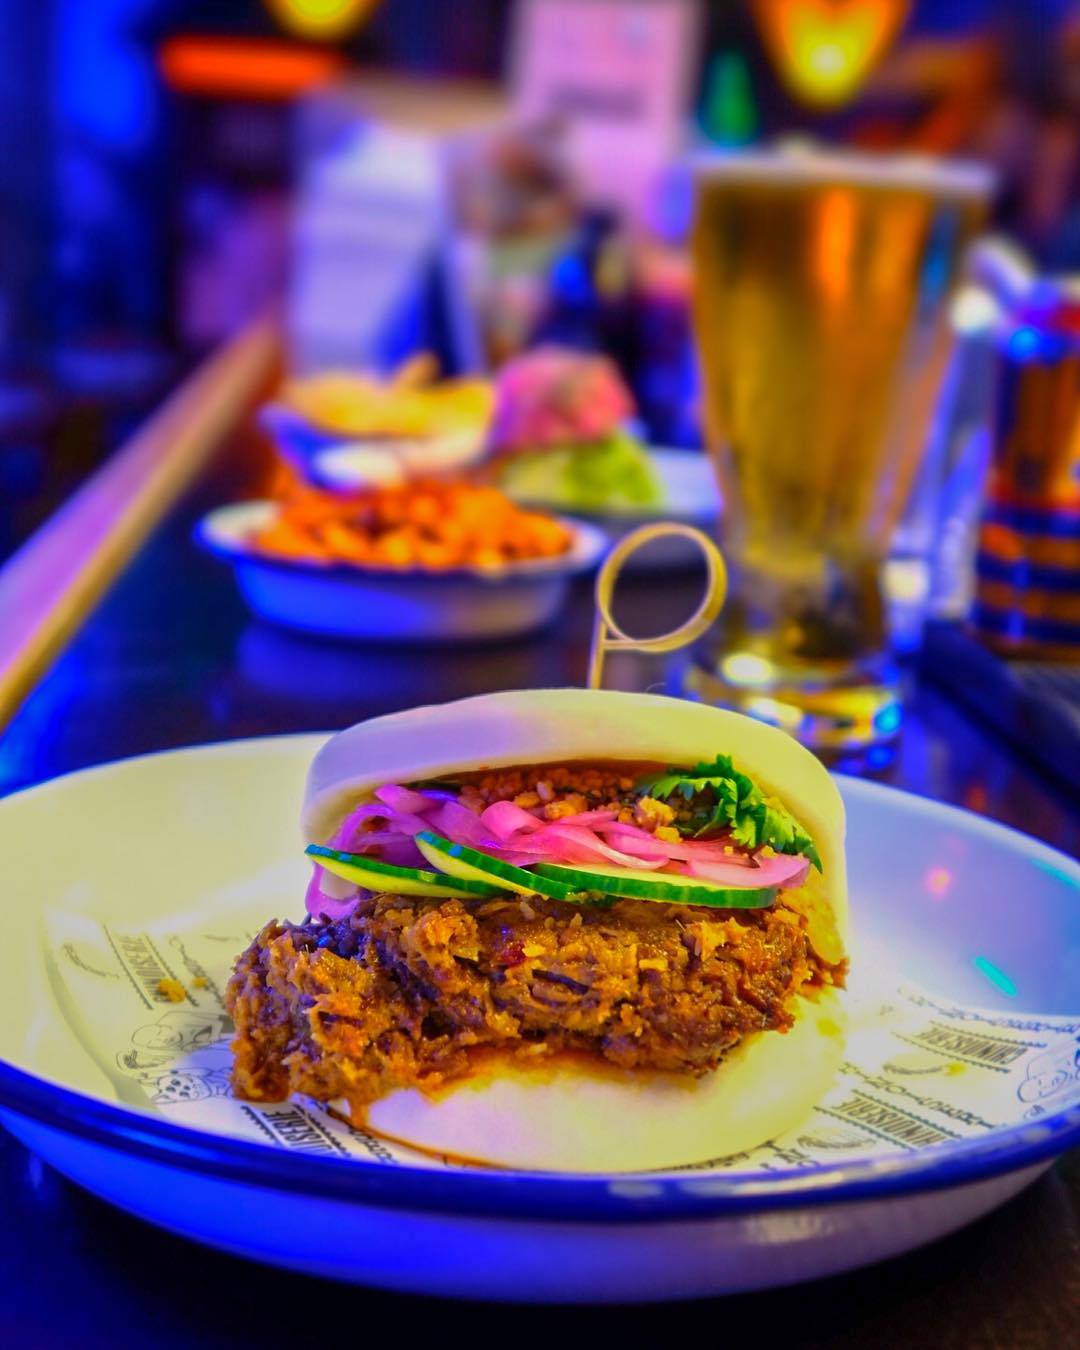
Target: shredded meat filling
409, 992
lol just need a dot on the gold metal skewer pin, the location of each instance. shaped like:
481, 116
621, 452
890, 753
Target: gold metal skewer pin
609, 637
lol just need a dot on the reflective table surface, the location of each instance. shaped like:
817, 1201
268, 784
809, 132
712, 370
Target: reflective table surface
172, 658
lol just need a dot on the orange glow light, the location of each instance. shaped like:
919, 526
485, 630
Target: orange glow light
239, 68
824, 50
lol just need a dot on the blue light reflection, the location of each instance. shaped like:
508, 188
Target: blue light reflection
995, 975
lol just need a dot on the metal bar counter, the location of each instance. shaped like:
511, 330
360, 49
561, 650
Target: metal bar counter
170, 657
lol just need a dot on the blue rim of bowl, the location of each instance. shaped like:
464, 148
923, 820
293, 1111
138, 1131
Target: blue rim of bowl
589, 546
685, 1195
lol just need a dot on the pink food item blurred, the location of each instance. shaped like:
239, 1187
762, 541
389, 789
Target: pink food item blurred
554, 396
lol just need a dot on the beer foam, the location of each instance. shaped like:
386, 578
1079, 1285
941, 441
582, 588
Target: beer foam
797, 163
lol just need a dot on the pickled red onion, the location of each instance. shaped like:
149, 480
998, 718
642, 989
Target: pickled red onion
404, 799
504, 819
352, 822
781, 869
458, 824
591, 818
320, 905
649, 846
523, 837
587, 846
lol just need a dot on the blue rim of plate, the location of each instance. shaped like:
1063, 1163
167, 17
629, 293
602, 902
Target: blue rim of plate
631, 517
589, 546
627, 1198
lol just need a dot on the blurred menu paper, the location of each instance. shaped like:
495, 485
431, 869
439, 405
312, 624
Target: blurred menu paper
618, 72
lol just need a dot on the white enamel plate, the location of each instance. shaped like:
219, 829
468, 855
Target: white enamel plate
115, 876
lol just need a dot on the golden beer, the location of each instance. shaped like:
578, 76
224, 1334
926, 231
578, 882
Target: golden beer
819, 282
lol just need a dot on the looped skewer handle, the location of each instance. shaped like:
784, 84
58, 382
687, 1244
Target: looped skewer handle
609, 637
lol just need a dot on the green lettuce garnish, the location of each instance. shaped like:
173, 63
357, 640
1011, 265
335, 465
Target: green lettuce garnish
724, 798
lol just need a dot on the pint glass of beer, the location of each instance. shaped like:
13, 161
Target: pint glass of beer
820, 282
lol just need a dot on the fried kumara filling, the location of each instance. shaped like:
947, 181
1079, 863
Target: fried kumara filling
414, 992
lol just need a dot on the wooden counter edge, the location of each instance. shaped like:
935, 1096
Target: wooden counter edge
51, 584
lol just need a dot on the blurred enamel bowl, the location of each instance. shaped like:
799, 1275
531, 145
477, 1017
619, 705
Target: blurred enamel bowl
691, 497
369, 462
224, 817
394, 605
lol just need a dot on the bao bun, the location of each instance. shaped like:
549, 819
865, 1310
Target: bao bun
570, 1116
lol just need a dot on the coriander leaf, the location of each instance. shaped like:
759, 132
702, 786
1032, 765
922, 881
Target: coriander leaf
725, 798
745, 832
779, 828
662, 787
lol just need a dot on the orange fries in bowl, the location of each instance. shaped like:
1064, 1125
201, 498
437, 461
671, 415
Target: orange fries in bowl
428, 525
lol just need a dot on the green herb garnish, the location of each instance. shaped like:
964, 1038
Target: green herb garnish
723, 798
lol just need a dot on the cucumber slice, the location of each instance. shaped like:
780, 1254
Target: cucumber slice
469, 864
672, 890
379, 876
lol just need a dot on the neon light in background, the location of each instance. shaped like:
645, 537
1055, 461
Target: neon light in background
824, 50
321, 20
240, 68
888, 719
1025, 343
877, 757
729, 114
995, 975
103, 80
